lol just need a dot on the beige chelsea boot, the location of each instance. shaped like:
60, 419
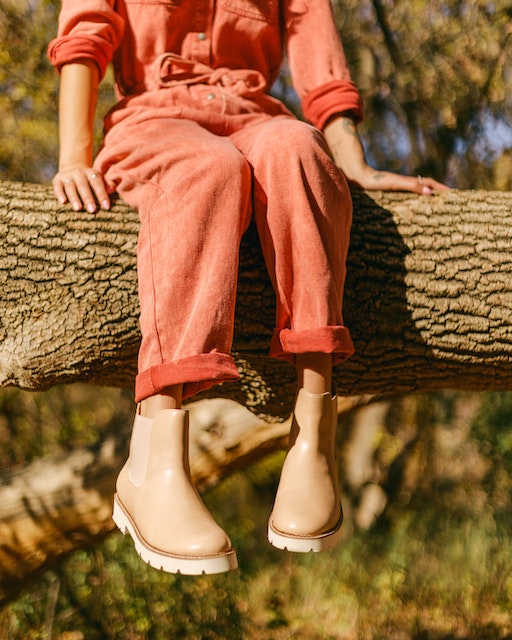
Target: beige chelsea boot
157, 503
307, 513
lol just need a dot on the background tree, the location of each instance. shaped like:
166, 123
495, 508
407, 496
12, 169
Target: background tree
435, 76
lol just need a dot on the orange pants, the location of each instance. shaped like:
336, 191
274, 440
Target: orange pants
196, 177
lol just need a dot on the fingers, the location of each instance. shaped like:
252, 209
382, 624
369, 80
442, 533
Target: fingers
413, 184
421, 185
82, 188
387, 181
429, 185
97, 182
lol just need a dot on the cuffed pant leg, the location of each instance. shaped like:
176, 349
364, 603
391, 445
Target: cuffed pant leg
303, 211
192, 190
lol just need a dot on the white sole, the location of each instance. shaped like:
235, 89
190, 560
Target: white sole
304, 544
185, 565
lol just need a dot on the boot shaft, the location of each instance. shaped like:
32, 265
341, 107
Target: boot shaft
315, 420
159, 444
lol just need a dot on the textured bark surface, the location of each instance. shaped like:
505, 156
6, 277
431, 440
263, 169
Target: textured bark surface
428, 297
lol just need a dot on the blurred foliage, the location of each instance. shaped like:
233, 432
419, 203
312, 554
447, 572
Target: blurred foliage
29, 91
33, 425
435, 76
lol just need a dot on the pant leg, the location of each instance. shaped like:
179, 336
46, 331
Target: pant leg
192, 191
303, 211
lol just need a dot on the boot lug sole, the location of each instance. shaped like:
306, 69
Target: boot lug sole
304, 544
166, 561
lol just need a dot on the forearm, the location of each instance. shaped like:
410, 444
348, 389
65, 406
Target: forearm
348, 154
76, 182
346, 148
77, 106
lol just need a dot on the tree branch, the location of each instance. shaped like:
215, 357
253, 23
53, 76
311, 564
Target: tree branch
428, 298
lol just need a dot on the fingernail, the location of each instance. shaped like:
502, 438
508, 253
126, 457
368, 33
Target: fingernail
91, 207
426, 191
106, 204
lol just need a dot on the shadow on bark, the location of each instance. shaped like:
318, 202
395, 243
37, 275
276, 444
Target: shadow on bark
376, 308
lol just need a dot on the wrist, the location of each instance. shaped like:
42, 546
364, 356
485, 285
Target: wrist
347, 114
75, 158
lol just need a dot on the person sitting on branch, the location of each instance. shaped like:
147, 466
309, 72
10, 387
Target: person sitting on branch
198, 146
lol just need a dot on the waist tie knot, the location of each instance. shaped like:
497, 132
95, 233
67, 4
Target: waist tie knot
171, 70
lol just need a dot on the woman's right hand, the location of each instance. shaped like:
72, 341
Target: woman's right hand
77, 182
83, 187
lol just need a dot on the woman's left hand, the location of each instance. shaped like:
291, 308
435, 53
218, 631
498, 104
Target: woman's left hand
348, 153
388, 181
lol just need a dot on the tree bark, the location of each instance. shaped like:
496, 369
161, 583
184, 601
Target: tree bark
428, 297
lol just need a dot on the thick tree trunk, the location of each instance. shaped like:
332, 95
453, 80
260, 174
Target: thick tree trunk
428, 297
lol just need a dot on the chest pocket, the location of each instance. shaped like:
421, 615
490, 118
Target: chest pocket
264, 10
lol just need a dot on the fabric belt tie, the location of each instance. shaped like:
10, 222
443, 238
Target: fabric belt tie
171, 70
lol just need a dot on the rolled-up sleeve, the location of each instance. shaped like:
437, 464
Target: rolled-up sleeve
88, 30
317, 62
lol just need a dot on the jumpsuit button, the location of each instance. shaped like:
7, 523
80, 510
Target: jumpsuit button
211, 96
201, 36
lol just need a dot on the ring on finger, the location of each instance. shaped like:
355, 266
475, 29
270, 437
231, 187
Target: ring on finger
420, 180
92, 176
68, 180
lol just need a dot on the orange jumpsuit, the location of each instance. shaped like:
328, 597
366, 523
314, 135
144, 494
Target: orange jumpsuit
198, 147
